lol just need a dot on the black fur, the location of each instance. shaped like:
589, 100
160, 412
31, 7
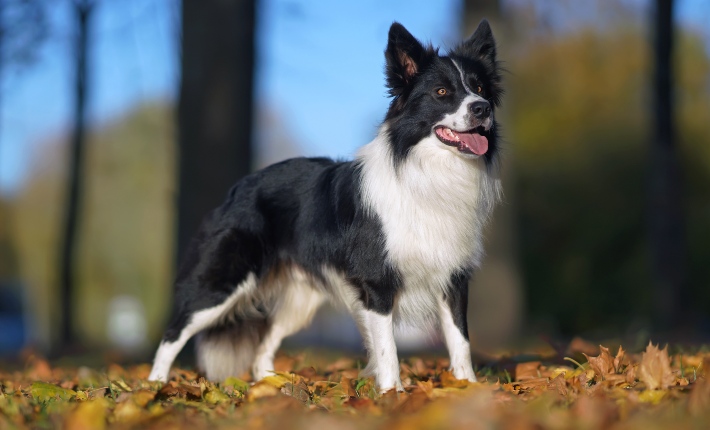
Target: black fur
310, 213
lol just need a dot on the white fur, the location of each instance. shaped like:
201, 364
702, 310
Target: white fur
291, 301
297, 303
167, 351
433, 209
378, 333
459, 121
458, 346
461, 75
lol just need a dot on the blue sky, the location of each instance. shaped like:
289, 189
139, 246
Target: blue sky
320, 68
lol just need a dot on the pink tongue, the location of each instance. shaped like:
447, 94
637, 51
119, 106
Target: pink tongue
475, 142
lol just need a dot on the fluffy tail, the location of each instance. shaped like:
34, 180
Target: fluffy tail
229, 350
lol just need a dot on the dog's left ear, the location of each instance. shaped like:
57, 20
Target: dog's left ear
405, 57
481, 44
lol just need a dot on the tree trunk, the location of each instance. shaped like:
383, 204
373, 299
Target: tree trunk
68, 252
215, 107
664, 182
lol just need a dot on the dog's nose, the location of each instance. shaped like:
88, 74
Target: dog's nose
481, 109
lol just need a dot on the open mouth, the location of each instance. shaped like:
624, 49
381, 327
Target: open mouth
474, 141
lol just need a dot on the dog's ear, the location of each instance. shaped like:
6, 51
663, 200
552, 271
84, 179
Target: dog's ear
405, 57
481, 44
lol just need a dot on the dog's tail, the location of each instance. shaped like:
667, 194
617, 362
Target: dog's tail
230, 349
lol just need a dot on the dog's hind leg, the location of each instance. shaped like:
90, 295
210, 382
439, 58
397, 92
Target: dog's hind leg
188, 322
291, 310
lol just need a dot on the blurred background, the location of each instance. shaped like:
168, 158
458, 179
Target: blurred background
123, 122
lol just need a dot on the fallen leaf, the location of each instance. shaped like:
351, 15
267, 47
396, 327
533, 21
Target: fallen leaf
44, 392
529, 370
89, 415
143, 397
603, 364
262, 389
652, 396
655, 368
238, 384
215, 396
448, 380
191, 392
127, 413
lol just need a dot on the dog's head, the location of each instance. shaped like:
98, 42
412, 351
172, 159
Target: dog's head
448, 100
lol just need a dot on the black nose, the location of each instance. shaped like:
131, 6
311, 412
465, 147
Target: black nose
481, 109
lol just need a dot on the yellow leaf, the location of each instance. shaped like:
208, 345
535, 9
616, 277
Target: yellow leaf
127, 412
90, 415
119, 385
237, 383
44, 392
216, 396
561, 370
143, 397
278, 380
652, 396
655, 368
262, 389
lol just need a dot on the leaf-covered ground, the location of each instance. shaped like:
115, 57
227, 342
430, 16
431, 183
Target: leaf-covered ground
603, 389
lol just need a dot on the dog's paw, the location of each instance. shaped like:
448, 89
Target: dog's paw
465, 373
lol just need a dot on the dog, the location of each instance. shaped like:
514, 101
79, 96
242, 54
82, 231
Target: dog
393, 236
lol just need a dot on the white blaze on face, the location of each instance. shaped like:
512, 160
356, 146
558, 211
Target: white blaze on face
459, 120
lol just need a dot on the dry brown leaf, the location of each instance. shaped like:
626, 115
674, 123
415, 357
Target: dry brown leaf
448, 380
559, 385
191, 392
413, 403
603, 364
619, 359
427, 387
529, 370
655, 368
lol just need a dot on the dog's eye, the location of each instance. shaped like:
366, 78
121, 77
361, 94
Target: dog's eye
441, 91
479, 89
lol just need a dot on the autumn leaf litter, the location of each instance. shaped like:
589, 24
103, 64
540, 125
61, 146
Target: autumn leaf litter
651, 389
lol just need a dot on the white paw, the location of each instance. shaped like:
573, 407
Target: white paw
465, 373
158, 376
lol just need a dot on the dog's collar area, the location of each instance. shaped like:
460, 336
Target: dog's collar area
473, 141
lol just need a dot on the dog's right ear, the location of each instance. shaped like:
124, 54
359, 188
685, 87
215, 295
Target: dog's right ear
405, 57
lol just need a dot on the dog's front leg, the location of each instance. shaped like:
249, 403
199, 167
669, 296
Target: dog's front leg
383, 364
453, 320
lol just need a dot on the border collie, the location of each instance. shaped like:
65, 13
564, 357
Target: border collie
393, 236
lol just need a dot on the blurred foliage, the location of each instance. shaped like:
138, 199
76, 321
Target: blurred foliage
127, 222
580, 107
578, 120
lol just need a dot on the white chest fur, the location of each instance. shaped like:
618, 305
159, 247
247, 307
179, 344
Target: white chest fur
433, 209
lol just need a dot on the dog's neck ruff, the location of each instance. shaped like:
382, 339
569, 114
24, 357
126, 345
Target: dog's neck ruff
432, 205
